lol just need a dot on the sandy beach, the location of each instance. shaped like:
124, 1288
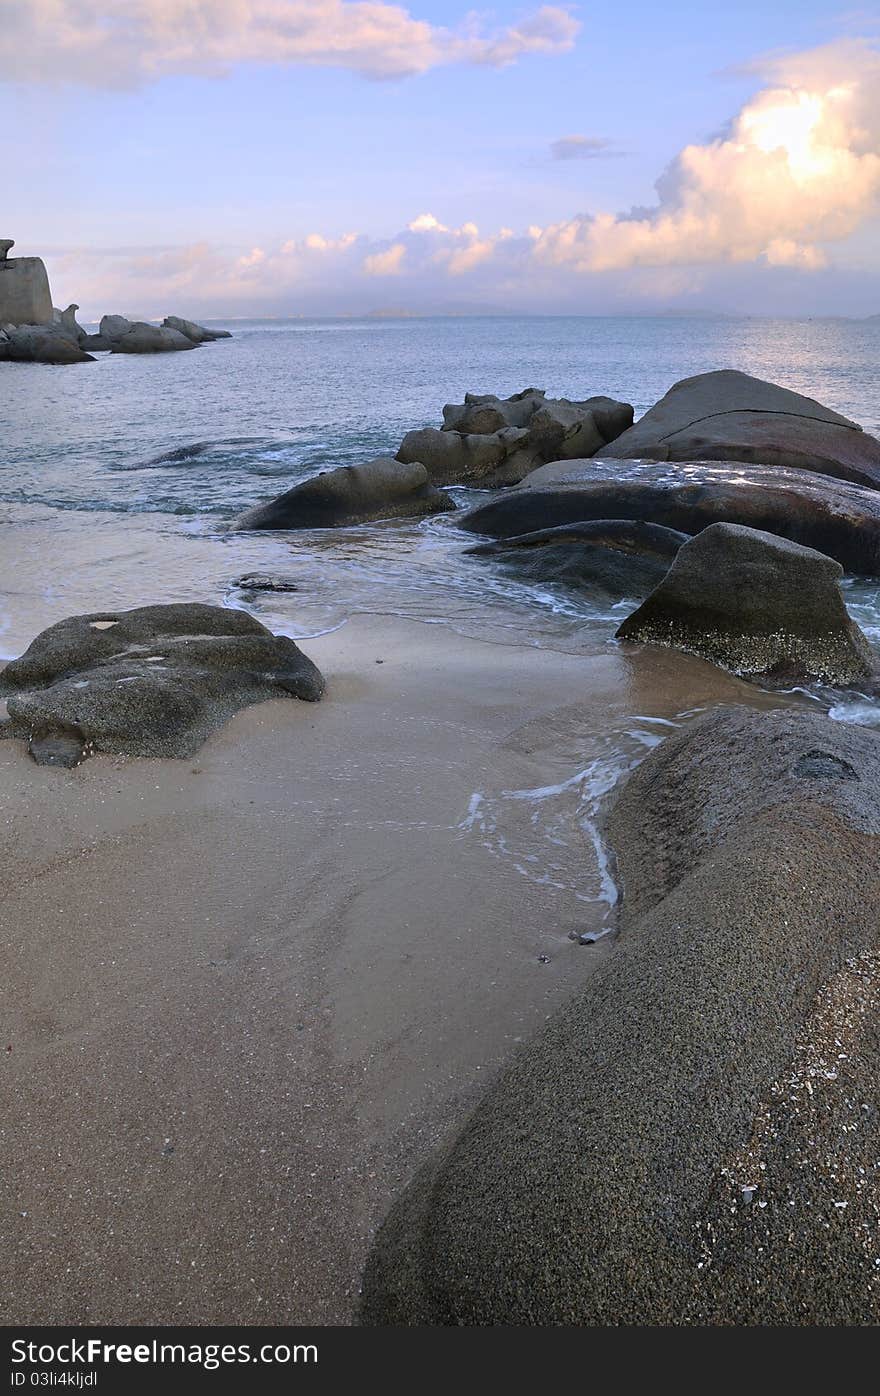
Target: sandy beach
245, 995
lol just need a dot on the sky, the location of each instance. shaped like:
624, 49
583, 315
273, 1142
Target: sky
301, 157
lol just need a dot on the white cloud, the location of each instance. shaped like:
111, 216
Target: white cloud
800, 166
119, 43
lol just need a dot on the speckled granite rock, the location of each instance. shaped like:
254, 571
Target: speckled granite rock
755, 603
622, 557
694, 1138
155, 681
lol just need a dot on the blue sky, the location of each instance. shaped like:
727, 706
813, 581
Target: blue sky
143, 188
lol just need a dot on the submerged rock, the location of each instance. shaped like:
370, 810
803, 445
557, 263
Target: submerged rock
730, 416
353, 494
755, 603
693, 1139
832, 516
621, 556
155, 681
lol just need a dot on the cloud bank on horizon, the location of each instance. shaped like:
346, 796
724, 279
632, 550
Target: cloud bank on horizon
118, 43
795, 172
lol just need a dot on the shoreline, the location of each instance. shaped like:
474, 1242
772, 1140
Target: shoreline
216, 1094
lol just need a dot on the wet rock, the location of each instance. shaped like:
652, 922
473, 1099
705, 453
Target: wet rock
155, 681
621, 556
832, 516
755, 603
258, 581
353, 494
693, 1139
729, 416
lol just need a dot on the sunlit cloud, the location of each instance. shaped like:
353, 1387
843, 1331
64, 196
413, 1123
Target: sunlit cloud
800, 166
123, 43
387, 263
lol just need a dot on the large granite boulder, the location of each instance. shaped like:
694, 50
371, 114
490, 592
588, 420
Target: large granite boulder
730, 416
482, 414
832, 516
199, 334
40, 344
489, 441
623, 557
155, 681
693, 1139
142, 338
113, 327
353, 494
485, 461
25, 297
755, 603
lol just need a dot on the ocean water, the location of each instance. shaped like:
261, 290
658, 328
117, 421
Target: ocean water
91, 518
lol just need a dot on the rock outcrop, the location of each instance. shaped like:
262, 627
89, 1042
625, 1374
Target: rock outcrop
755, 603
623, 557
693, 1139
353, 494
25, 297
199, 334
489, 441
731, 416
155, 681
41, 344
832, 516
142, 338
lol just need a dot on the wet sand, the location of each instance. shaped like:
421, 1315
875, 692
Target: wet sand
243, 996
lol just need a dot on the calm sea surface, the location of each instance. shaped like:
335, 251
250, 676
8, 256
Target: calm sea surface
86, 522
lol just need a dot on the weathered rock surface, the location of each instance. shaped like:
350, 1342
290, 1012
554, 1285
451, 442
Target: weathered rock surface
155, 681
353, 494
25, 297
42, 344
113, 327
832, 516
487, 461
693, 1139
142, 338
490, 441
729, 416
620, 556
755, 603
199, 334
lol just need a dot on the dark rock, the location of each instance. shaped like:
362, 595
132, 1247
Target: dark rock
755, 603
142, 338
832, 516
199, 334
39, 345
728, 416
621, 556
255, 581
95, 344
728, 1049
353, 494
155, 681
